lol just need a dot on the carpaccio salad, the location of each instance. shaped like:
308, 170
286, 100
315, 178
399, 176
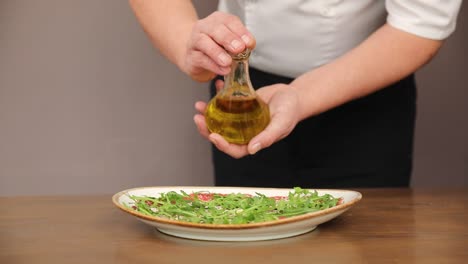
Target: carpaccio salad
233, 208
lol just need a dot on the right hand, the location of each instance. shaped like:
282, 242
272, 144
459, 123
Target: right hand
211, 39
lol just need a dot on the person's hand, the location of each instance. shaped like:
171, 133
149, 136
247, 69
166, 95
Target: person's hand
283, 102
211, 39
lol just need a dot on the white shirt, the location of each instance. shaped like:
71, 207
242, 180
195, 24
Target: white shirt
296, 36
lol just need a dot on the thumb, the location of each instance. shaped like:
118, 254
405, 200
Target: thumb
276, 130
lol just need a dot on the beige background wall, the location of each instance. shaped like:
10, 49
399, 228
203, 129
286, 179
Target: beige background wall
88, 106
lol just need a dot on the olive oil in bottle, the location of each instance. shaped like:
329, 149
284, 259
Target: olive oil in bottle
236, 112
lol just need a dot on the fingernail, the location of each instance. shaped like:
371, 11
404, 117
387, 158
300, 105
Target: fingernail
213, 141
255, 148
223, 58
246, 39
235, 44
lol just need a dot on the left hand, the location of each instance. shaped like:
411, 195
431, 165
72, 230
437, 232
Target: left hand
283, 102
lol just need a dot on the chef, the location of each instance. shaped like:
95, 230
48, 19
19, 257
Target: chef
338, 76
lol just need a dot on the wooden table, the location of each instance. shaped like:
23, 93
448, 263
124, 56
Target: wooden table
387, 226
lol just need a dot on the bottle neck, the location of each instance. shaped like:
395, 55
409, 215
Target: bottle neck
239, 74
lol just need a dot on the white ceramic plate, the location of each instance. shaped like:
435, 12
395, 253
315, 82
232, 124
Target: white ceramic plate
282, 228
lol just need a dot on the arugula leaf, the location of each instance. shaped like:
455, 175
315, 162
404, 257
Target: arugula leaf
234, 208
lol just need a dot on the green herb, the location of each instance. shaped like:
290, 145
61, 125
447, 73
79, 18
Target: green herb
234, 208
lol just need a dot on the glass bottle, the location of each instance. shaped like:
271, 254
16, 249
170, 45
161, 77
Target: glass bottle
236, 112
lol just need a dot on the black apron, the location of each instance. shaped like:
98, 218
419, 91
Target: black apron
367, 142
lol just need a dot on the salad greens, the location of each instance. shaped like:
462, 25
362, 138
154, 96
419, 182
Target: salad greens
234, 208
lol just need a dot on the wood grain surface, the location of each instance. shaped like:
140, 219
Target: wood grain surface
387, 226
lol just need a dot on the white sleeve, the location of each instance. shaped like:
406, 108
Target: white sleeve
433, 19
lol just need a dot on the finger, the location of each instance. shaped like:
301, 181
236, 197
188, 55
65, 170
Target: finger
278, 128
201, 125
198, 59
226, 38
219, 85
234, 24
233, 150
200, 107
209, 47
